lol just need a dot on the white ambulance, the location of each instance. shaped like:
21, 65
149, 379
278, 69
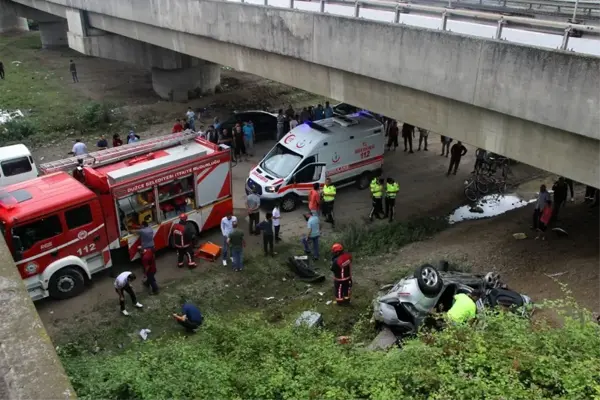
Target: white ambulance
347, 149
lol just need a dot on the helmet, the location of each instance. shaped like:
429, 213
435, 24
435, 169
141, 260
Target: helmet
336, 248
183, 217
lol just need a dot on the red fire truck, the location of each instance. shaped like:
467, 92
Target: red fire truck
61, 229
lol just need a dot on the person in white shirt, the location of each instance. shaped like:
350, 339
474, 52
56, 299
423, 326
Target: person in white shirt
276, 222
122, 285
79, 148
226, 228
191, 118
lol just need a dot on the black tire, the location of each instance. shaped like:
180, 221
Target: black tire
429, 280
363, 181
289, 202
66, 283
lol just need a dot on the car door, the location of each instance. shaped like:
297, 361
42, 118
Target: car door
304, 179
85, 230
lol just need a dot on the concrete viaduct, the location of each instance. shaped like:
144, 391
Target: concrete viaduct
535, 105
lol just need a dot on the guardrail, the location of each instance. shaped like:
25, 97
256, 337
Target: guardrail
563, 7
566, 29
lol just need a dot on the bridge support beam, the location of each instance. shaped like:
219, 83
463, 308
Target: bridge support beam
175, 76
185, 83
53, 34
10, 20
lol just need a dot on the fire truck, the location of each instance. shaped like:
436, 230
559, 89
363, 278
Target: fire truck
62, 228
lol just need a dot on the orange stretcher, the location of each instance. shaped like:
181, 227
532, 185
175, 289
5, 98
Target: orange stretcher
208, 251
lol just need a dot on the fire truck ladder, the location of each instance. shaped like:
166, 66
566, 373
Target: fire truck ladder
116, 154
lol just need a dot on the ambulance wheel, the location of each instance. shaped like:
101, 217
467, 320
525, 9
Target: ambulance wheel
66, 283
363, 181
289, 203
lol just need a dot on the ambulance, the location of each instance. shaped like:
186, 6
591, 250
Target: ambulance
62, 229
347, 149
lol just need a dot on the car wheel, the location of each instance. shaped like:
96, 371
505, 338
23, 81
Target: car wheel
429, 280
363, 181
66, 283
289, 203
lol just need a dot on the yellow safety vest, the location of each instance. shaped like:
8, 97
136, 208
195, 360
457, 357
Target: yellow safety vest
376, 189
463, 309
329, 193
391, 190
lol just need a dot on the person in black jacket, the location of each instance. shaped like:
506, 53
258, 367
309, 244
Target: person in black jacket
266, 227
560, 189
456, 153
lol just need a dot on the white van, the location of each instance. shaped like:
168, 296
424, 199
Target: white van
347, 149
16, 165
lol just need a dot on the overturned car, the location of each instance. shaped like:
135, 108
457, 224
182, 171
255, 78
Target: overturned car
412, 302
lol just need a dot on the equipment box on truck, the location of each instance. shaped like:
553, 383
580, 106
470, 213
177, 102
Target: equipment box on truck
61, 229
347, 149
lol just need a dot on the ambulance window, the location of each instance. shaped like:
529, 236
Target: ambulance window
16, 166
176, 197
137, 208
34, 232
79, 216
281, 161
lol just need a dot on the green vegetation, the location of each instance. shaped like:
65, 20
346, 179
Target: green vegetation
41, 90
249, 348
502, 357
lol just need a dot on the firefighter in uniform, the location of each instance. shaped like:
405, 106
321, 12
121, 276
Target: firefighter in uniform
329, 193
376, 187
391, 190
183, 238
341, 266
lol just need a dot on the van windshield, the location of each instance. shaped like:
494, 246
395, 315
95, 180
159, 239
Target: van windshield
281, 161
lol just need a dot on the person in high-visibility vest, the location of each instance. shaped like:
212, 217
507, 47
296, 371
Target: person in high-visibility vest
329, 193
183, 239
391, 190
376, 187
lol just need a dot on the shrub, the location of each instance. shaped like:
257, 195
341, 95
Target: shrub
374, 239
501, 357
17, 129
96, 115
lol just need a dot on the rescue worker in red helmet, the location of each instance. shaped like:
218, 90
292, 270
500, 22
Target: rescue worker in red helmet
341, 266
183, 238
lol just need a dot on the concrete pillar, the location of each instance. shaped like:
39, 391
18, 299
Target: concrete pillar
9, 20
53, 34
182, 84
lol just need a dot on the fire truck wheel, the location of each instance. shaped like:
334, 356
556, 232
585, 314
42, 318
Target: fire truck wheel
65, 283
289, 203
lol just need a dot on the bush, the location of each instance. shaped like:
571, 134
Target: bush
374, 239
16, 130
95, 115
501, 357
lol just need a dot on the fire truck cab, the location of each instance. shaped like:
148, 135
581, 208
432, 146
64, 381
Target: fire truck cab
61, 229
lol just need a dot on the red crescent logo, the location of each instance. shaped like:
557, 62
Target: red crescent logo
300, 144
289, 138
335, 158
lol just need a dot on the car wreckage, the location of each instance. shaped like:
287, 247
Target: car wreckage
414, 300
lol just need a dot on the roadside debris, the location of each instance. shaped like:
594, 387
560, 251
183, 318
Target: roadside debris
310, 319
269, 298
519, 236
554, 275
144, 333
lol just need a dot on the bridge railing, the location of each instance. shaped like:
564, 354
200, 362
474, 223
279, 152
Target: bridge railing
566, 29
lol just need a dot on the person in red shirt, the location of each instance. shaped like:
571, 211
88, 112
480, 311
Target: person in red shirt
178, 127
314, 198
183, 239
149, 264
545, 220
341, 266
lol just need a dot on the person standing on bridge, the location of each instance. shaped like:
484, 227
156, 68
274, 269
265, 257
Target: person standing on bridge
408, 132
457, 151
73, 70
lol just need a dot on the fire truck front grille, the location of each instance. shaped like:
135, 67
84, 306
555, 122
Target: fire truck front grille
252, 185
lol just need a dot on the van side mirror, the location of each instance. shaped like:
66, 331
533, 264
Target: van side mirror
18, 246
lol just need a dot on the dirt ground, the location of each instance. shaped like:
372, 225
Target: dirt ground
485, 244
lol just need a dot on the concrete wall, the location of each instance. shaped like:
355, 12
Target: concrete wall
558, 89
29, 366
10, 19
